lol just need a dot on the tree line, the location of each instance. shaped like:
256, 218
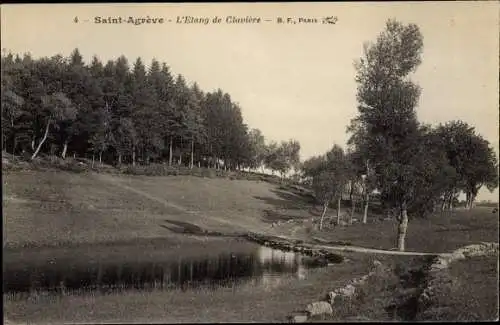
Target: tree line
122, 114
413, 166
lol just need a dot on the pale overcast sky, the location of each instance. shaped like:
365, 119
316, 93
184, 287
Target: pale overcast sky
292, 80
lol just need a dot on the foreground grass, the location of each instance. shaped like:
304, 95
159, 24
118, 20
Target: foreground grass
469, 292
252, 302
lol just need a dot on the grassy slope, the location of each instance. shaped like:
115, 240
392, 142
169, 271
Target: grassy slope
58, 207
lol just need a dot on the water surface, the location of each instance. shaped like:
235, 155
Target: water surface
150, 267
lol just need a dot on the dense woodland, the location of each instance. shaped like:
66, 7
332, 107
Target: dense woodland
127, 115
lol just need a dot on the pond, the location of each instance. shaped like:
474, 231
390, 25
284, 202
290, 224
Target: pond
212, 266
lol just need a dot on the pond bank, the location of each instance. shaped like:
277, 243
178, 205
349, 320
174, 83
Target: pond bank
272, 300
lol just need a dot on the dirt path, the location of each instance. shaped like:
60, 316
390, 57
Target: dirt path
114, 181
206, 218
377, 251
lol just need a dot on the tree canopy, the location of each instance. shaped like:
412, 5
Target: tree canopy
126, 113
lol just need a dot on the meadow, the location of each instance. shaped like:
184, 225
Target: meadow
110, 216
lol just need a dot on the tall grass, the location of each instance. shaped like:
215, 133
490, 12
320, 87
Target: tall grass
55, 294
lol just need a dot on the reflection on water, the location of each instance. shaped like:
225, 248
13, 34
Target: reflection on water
260, 266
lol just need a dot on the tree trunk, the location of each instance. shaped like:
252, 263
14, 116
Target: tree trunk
65, 149
170, 152
14, 145
403, 226
365, 213
100, 157
41, 142
119, 159
4, 142
191, 164
325, 206
338, 209
353, 208
471, 198
93, 160
133, 156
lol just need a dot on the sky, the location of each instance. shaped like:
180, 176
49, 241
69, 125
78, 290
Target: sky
291, 80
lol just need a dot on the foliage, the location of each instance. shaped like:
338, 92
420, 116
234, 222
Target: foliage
329, 174
283, 157
124, 114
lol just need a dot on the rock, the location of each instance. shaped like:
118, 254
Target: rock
348, 291
357, 318
457, 255
319, 308
331, 297
478, 249
356, 281
334, 258
298, 319
361, 281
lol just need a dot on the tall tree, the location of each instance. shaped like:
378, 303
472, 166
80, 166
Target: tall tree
56, 108
118, 90
387, 99
472, 161
77, 86
329, 177
257, 148
195, 127
145, 113
12, 103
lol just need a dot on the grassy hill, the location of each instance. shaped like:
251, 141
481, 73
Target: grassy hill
54, 207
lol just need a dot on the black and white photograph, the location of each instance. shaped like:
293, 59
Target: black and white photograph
283, 162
